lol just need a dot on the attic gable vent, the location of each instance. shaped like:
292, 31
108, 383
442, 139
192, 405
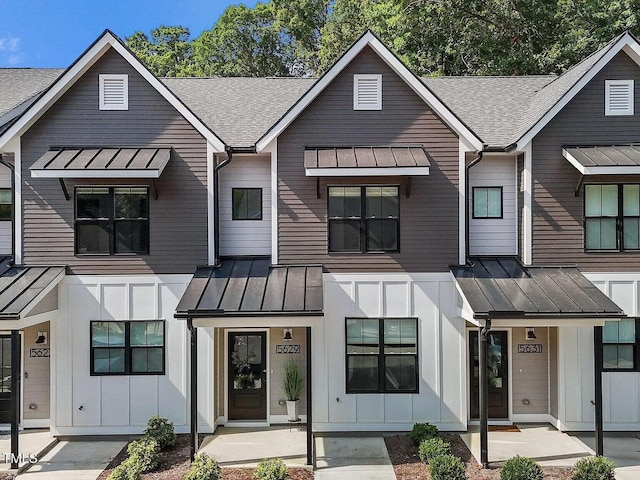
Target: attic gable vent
114, 92
367, 92
618, 97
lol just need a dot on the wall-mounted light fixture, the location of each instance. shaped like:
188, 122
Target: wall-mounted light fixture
42, 338
531, 333
288, 334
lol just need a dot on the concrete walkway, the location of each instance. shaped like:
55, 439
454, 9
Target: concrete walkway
75, 460
622, 449
355, 458
34, 443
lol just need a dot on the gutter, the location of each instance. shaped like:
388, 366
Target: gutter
13, 207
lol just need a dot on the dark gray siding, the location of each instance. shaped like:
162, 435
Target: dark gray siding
178, 218
428, 219
557, 212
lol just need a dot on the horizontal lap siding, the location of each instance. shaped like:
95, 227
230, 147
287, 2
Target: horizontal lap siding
428, 219
558, 213
178, 218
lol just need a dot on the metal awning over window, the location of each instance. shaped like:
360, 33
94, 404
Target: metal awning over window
390, 160
503, 290
251, 286
115, 162
609, 160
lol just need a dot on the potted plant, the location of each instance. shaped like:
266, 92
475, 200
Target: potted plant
292, 384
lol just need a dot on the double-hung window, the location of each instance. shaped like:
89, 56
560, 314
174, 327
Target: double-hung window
112, 220
612, 217
364, 219
382, 355
620, 342
127, 348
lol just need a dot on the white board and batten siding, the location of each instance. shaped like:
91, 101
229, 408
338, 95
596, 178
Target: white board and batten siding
5, 225
122, 404
245, 237
495, 236
620, 390
441, 353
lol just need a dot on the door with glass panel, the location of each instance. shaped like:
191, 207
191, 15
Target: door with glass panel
247, 376
5, 379
497, 374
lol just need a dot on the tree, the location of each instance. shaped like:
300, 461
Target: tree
167, 53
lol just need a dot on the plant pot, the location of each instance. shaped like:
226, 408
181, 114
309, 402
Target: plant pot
292, 410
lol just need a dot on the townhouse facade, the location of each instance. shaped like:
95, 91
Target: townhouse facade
170, 243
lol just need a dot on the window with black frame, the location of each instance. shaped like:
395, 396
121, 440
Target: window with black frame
364, 219
620, 341
127, 348
247, 204
5, 204
112, 220
382, 355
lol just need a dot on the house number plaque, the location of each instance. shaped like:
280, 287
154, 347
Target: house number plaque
39, 352
529, 348
287, 348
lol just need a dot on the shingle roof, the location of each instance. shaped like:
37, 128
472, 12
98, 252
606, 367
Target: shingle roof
20, 84
239, 109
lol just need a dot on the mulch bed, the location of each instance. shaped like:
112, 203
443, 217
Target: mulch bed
175, 464
407, 465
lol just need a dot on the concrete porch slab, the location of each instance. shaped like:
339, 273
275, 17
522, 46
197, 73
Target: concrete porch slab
622, 448
35, 442
356, 458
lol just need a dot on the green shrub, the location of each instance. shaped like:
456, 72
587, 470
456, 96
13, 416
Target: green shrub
521, 468
203, 468
271, 469
161, 429
447, 467
433, 447
593, 468
145, 452
130, 469
422, 431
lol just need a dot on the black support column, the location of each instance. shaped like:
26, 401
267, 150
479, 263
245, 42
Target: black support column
193, 387
597, 350
15, 395
484, 394
310, 445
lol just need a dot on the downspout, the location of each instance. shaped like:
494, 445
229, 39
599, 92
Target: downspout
469, 205
13, 207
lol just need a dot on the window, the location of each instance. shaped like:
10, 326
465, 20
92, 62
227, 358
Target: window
487, 202
114, 92
5, 204
382, 355
620, 345
112, 220
618, 97
367, 92
364, 219
247, 203
127, 348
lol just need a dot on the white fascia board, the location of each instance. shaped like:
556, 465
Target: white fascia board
625, 42
80, 67
367, 172
608, 170
396, 65
95, 173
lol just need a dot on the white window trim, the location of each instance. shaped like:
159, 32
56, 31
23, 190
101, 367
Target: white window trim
607, 90
356, 78
125, 79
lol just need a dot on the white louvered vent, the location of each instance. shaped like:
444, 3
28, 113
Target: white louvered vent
618, 97
367, 92
114, 92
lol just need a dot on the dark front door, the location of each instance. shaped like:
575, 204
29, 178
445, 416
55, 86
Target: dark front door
248, 376
497, 374
5, 379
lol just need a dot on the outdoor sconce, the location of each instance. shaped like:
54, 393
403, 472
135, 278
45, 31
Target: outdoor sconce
42, 338
287, 334
531, 333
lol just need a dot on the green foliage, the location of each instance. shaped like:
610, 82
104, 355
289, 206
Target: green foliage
161, 429
520, 468
271, 469
130, 469
146, 453
422, 431
167, 53
447, 467
433, 447
292, 380
593, 468
203, 468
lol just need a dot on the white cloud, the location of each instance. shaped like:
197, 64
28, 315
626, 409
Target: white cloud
9, 44
12, 56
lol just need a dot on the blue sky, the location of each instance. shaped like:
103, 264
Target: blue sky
53, 33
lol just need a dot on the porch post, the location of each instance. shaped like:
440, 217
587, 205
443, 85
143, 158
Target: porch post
597, 349
15, 395
310, 446
194, 387
484, 394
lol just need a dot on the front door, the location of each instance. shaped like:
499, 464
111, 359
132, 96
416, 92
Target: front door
497, 374
5, 379
248, 376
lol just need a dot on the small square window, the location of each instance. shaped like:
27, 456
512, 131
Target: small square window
247, 204
487, 202
5, 204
